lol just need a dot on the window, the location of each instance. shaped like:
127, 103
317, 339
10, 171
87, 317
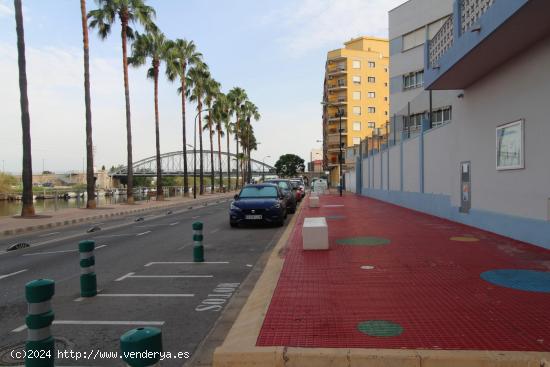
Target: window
259, 192
356, 95
371, 79
386, 70
356, 141
357, 126
357, 110
510, 146
413, 80
386, 113
341, 83
356, 79
372, 124
372, 95
414, 38
372, 64
385, 98
356, 64
372, 109
441, 116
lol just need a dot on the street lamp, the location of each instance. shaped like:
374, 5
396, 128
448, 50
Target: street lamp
195, 153
340, 114
263, 167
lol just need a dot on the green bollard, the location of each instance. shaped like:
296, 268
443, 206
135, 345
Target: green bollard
141, 347
88, 281
40, 346
198, 249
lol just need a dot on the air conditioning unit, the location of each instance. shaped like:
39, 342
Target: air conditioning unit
330, 77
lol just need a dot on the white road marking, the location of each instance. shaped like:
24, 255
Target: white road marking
196, 216
170, 276
49, 234
173, 224
215, 230
124, 277
143, 233
87, 322
146, 295
114, 235
248, 265
58, 252
12, 274
184, 262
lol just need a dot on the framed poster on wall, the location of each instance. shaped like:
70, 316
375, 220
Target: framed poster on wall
509, 149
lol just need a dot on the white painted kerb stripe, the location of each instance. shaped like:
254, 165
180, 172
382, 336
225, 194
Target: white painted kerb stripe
170, 276
141, 234
86, 322
146, 295
12, 274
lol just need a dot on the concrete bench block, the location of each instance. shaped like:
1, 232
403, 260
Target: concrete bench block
315, 234
314, 201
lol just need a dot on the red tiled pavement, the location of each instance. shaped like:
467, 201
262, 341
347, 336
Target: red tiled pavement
422, 280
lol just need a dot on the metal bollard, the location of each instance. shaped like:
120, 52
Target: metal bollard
141, 347
40, 346
88, 282
198, 249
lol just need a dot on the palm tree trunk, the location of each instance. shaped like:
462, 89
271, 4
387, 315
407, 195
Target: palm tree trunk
220, 158
237, 150
201, 171
185, 173
28, 208
90, 181
160, 195
130, 170
211, 152
228, 134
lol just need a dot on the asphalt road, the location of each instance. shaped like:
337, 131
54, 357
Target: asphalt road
146, 277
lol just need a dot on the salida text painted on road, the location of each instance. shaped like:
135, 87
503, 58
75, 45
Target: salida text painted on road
218, 298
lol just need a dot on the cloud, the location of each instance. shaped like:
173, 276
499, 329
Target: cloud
319, 24
5, 9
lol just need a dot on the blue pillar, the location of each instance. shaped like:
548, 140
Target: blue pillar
388, 169
381, 154
457, 20
401, 160
424, 128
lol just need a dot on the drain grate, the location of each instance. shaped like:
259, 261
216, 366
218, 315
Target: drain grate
8, 354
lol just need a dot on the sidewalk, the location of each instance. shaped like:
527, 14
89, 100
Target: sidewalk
15, 225
396, 288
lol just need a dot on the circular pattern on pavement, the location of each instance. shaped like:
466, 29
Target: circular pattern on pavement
380, 328
520, 279
464, 239
363, 241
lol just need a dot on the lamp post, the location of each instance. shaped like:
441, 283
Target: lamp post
339, 114
263, 167
195, 153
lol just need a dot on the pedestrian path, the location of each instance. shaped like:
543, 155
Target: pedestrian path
400, 285
52, 219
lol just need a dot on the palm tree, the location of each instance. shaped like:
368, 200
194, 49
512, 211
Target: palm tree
229, 128
128, 11
155, 46
28, 207
197, 78
90, 182
250, 111
182, 54
211, 93
237, 97
220, 117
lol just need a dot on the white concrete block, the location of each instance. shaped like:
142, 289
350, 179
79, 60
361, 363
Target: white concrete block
314, 201
315, 234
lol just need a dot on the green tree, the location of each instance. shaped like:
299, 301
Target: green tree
102, 18
237, 96
6, 182
90, 181
220, 117
248, 140
154, 46
289, 165
197, 78
212, 91
27, 209
183, 53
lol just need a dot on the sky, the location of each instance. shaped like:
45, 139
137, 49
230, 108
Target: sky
274, 49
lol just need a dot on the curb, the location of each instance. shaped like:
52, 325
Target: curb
21, 230
239, 347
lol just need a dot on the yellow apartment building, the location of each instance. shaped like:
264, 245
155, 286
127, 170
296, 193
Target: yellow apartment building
356, 84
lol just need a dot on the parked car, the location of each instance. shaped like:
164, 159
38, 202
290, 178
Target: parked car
298, 192
286, 187
258, 203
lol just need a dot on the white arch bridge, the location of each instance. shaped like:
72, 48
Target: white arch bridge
172, 165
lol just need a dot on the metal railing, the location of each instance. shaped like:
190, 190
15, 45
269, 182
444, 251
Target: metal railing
441, 42
471, 11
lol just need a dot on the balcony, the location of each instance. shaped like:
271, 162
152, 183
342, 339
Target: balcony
337, 86
337, 71
333, 117
480, 36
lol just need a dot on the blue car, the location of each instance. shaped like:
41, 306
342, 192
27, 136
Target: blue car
262, 203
